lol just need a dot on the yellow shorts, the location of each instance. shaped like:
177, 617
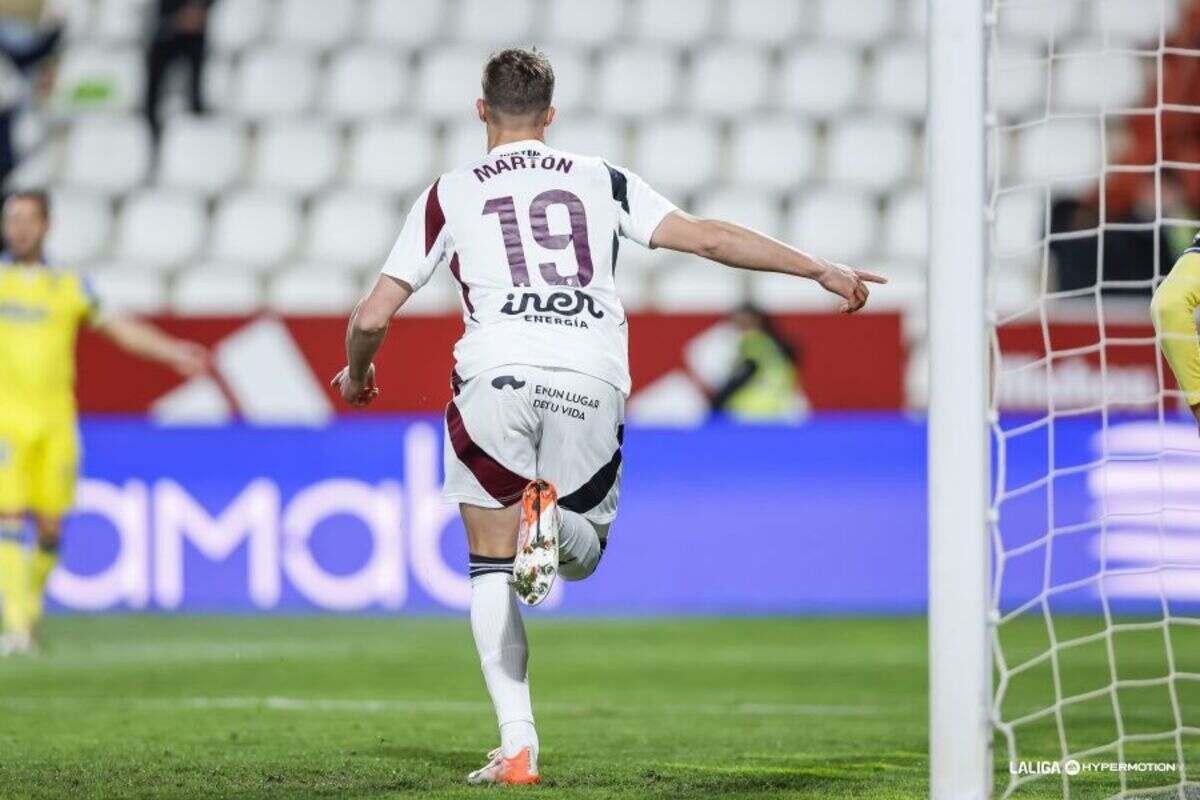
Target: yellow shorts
39, 464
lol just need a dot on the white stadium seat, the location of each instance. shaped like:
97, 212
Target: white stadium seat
765, 22
365, 82
237, 24
916, 21
1132, 22
1020, 78
694, 285
905, 228
729, 80
836, 223
216, 290
392, 156
1009, 292
298, 157
592, 23
677, 154
637, 262
822, 79
676, 22
350, 227
1060, 149
78, 17
572, 78
203, 154
1020, 222
38, 168
905, 292
636, 81
299, 24
898, 79
30, 130
255, 229
1039, 20
772, 152
105, 78
124, 290
464, 142
494, 24
1089, 79
756, 210
81, 229
589, 136
778, 294
121, 20
856, 21
634, 290
439, 296
219, 83
869, 152
404, 22
312, 292
160, 229
449, 82
275, 82
109, 154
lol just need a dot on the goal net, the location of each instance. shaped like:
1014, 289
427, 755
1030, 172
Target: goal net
1093, 172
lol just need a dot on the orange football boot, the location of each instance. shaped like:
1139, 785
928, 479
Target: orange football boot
536, 564
520, 770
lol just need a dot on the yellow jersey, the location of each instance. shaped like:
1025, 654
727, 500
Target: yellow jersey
41, 310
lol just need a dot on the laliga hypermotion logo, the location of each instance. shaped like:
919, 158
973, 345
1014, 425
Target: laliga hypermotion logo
1072, 767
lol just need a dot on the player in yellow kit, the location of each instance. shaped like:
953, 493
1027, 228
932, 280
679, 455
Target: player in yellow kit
41, 310
1174, 313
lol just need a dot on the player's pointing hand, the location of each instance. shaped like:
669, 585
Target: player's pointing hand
356, 392
849, 284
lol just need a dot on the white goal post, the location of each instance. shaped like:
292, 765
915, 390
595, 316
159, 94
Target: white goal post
1063, 182
959, 662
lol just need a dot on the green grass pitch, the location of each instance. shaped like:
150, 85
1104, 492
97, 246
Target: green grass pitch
181, 707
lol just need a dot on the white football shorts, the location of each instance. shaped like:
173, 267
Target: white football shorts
512, 424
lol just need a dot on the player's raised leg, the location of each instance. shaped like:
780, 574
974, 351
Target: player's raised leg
500, 640
579, 453
536, 564
581, 542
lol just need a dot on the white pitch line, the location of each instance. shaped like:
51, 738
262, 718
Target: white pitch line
397, 706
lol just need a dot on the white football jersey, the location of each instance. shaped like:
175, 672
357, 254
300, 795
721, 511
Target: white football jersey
531, 235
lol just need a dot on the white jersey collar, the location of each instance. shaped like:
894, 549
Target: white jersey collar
512, 147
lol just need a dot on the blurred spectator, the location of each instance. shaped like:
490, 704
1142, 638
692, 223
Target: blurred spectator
1129, 255
22, 14
764, 385
1147, 141
29, 34
180, 33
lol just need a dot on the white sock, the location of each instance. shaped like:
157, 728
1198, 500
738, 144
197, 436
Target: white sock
503, 655
579, 547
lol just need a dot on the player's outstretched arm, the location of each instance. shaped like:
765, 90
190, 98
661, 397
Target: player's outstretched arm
151, 342
735, 246
1174, 311
367, 329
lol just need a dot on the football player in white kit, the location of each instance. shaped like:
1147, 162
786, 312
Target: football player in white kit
534, 430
